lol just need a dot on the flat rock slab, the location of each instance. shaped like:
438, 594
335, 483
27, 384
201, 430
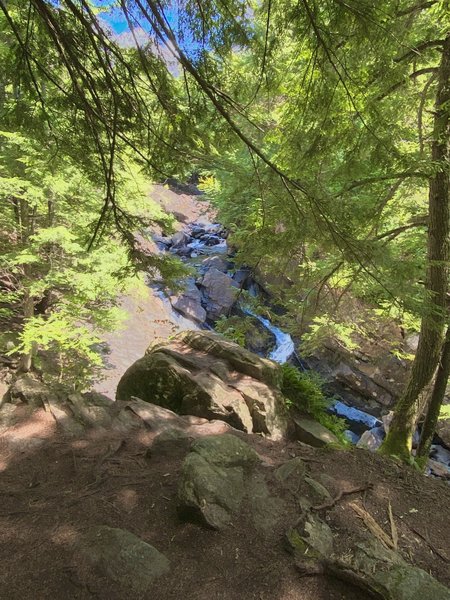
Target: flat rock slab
313, 433
121, 557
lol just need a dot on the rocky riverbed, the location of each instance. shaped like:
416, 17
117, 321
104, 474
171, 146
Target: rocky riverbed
365, 392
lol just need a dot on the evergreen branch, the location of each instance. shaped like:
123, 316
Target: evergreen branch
400, 84
393, 233
418, 49
378, 178
416, 8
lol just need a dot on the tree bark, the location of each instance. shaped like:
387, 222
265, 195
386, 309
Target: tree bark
437, 397
399, 439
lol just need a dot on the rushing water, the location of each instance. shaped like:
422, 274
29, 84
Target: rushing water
284, 348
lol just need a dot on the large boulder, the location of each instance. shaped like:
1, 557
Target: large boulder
202, 374
220, 293
212, 484
189, 302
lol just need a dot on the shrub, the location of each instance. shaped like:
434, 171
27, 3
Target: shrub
304, 391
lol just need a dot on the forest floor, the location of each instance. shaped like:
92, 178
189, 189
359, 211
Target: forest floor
54, 488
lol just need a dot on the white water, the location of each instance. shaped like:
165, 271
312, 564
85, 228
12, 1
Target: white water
353, 414
285, 346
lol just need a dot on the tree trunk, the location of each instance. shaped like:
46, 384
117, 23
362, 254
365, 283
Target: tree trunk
399, 439
26, 359
437, 397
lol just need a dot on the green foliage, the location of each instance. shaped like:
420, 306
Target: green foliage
444, 412
47, 215
304, 392
233, 329
324, 329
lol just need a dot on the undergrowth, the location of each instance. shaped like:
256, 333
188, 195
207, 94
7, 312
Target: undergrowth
304, 392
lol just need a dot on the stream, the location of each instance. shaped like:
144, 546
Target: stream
207, 240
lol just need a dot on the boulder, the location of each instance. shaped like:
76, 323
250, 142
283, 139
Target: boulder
202, 374
443, 431
371, 439
30, 390
8, 417
362, 383
188, 302
197, 231
225, 451
379, 571
220, 293
393, 578
120, 556
180, 239
88, 412
214, 262
313, 433
212, 483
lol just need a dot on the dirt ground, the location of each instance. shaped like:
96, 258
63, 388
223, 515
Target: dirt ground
53, 489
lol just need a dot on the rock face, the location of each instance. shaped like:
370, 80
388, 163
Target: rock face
212, 484
121, 557
201, 374
220, 293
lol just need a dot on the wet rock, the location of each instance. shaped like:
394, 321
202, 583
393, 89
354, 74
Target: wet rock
162, 241
212, 484
188, 302
220, 293
180, 239
313, 433
371, 439
362, 383
197, 231
438, 469
120, 556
